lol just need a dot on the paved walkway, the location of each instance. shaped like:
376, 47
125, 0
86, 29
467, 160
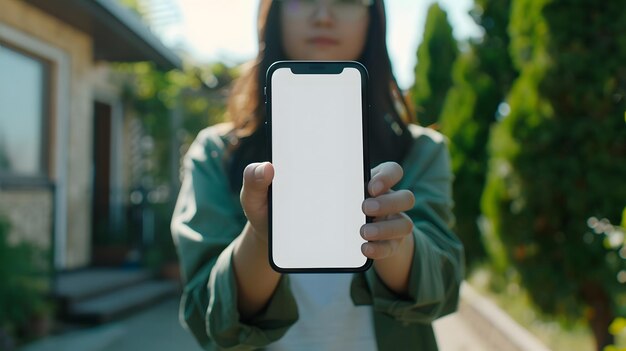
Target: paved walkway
455, 334
157, 329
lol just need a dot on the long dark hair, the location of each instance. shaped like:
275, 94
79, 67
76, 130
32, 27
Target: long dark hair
389, 138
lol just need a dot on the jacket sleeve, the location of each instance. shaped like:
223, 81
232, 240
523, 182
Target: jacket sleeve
438, 263
206, 220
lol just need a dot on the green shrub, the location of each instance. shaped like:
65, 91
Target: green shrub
23, 269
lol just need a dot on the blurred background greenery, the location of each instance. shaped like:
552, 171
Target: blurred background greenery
536, 120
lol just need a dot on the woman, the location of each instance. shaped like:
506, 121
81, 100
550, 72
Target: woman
232, 298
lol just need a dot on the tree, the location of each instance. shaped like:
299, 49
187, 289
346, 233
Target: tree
166, 111
613, 238
482, 77
433, 72
558, 158
197, 94
5, 161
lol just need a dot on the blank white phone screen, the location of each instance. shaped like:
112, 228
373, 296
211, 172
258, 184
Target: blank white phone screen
317, 153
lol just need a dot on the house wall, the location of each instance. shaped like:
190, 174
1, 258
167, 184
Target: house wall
31, 210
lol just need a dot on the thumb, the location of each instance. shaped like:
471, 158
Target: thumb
256, 180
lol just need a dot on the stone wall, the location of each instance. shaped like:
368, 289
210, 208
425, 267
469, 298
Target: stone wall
30, 214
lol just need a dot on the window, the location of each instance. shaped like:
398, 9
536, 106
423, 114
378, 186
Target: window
23, 115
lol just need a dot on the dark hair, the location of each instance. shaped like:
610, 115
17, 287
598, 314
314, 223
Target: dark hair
389, 137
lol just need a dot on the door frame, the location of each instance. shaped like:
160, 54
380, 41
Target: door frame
116, 162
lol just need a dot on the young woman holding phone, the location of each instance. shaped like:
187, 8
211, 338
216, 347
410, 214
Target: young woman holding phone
232, 298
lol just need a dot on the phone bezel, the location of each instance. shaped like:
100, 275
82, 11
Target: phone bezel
318, 67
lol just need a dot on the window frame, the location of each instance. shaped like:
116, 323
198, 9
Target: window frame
43, 178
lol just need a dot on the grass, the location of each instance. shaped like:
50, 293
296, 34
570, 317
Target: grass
558, 335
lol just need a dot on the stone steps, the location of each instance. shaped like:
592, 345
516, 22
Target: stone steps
99, 295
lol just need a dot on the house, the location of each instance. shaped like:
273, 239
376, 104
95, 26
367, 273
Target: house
64, 134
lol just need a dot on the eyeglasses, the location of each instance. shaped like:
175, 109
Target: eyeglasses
341, 9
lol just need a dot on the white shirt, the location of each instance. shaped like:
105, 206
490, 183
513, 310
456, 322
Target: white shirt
328, 319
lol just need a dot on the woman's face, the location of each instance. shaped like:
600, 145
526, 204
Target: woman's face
324, 29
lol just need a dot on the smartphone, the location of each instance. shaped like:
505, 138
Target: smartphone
317, 142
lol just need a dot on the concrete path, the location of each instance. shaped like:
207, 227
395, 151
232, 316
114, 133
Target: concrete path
455, 334
155, 329
158, 329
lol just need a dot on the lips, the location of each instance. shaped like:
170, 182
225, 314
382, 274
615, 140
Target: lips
323, 41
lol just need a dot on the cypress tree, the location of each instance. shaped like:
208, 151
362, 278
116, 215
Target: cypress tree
482, 77
559, 158
433, 71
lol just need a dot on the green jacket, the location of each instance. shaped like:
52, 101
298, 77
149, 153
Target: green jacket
208, 216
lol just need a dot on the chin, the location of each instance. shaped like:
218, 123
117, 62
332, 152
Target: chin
320, 54
325, 56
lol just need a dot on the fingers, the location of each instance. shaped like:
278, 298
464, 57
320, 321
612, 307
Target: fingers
389, 204
391, 226
384, 177
386, 237
380, 249
395, 228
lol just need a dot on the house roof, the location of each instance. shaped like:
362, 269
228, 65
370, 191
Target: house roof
118, 34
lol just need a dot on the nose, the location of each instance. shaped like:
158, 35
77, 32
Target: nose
323, 15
